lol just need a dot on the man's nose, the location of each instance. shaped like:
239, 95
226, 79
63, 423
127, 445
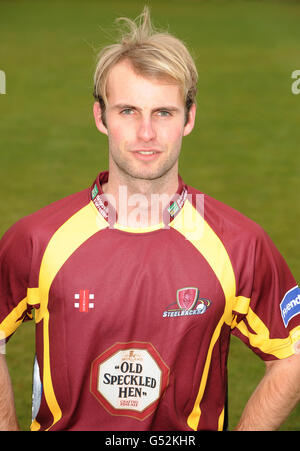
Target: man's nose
146, 129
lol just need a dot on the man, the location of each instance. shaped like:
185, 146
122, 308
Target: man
138, 282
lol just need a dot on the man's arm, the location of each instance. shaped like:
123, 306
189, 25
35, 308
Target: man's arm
8, 418
275, 396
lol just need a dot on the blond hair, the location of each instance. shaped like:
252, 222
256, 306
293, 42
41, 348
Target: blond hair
152, 54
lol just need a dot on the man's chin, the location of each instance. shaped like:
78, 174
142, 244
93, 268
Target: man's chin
145, 171
147, 175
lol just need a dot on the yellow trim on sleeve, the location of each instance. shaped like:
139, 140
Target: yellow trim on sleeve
12, 321
33, 296
279, 347
241, 305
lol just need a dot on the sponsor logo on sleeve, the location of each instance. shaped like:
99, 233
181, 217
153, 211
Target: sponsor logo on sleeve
290, 305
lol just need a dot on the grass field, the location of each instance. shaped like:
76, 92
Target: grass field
244, 150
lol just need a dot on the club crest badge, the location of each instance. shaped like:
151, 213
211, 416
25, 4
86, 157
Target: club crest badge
188, 304
187, 298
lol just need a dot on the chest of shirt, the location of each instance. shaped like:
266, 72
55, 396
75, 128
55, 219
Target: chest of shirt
136, 285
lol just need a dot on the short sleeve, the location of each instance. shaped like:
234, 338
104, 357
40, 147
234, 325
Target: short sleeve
15, 262
271, 326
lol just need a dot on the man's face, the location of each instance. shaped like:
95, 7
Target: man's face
145, 123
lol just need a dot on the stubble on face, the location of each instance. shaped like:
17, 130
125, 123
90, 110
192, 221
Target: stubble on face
121, 158
148, 127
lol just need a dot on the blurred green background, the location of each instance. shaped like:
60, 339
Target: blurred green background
244, 150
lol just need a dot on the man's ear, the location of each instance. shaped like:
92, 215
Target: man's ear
98, 118
191, 121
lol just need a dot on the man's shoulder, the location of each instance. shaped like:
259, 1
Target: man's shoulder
46, 220
225, 220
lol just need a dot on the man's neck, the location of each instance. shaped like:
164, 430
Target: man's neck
139, 202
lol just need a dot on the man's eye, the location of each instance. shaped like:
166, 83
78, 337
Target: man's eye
127, 111
164, 113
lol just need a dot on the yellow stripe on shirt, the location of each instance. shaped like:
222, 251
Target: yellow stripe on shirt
191, 224
75, 231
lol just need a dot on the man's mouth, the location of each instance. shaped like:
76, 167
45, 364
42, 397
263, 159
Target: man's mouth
146, 151
146, 154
